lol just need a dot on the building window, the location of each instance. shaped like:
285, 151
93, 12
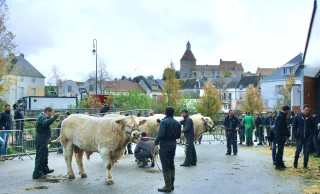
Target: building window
33, 80
21, 92
202, 71
286, 71
21, 79
291, 70
33, 91
230, 96
278, 89
90, 88
194, 74
154, 87
224, 96
69, 88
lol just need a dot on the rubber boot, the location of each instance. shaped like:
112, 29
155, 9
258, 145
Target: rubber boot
167, 181
172, 174
295, 163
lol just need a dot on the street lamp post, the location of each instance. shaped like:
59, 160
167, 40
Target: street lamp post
95, 52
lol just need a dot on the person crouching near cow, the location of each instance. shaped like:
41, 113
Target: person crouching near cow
169, 132
231, 123
42, 139
143, 150
188, 131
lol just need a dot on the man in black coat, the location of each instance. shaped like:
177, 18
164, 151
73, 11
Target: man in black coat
19, 118
188, 131
302, 126
231, 124
268, 122
169, 132
259, 129
5, 124
281, 133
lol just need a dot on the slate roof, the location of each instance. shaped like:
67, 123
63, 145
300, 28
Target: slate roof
277, 74
191, 83
247, 80
233, 83
150, 82
24, 68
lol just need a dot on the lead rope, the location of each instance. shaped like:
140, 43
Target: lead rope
154, 155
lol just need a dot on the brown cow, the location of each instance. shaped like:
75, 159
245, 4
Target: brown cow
108, 136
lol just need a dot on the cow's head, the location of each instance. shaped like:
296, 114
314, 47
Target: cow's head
131, 126
208, 123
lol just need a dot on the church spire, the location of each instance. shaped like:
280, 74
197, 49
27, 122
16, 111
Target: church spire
188, 45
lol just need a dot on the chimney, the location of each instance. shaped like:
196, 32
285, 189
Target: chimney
21, 54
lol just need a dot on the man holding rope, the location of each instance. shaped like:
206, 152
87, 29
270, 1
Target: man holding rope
169, 131
231, 124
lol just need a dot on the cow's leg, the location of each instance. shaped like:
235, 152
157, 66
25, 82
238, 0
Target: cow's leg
108, 162
68, 152
79, 160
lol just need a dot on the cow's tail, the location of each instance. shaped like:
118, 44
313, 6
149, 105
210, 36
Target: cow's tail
56, 140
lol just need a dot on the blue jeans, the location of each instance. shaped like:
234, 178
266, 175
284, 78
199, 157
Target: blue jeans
5, 136
305, 142
1, 142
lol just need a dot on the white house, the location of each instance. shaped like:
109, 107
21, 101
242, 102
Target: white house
152, 87
30, 82
271, 85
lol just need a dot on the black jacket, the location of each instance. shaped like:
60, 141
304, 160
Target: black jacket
105, 109
302, 127
258, 121
6, 120
18, 114
281, 129
235, 122
188, 128
169, 131
268, 121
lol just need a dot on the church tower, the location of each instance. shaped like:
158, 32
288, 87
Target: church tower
187, 63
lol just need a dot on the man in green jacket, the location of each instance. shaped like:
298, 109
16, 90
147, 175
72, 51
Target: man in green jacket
248, 123
42, 139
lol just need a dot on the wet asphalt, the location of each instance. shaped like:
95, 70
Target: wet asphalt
251, 171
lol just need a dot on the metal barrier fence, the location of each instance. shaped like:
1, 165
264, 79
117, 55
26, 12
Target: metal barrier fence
18, 143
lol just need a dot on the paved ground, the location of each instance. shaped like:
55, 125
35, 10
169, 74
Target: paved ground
250, 171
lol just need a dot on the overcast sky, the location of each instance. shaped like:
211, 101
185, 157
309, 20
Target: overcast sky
143, 36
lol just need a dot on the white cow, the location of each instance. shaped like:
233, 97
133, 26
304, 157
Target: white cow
108, 136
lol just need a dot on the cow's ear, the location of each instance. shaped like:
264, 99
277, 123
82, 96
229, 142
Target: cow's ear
142, 122
158, 120
202, 119
121, 121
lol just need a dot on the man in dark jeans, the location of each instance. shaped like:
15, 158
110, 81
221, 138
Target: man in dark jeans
259, 129
302, 126
241, 131
18, 117
169, 132
281, 133
231, 123
268, 122
188, 131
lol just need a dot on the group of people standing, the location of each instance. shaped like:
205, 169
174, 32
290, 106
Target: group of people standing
304, 126
6, 125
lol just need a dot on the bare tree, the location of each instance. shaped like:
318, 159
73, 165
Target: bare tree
55, 77
103, 77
